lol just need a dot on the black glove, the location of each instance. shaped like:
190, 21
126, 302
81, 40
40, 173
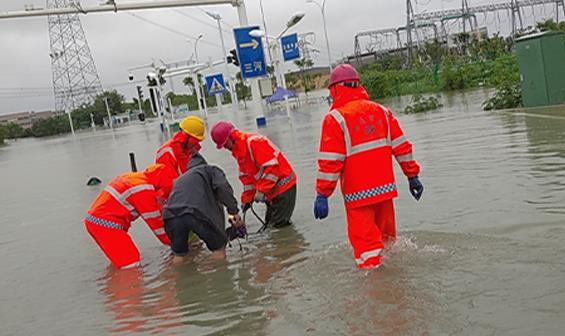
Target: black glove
233, 232
416, 187
246, 207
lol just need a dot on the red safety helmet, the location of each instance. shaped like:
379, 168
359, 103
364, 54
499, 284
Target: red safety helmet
343, 73
220, 133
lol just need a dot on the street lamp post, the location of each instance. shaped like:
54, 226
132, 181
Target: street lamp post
323, 10
281, 81
202, 99
218, 18
195, 47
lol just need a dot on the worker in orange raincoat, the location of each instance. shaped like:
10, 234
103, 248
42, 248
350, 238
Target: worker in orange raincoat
177, 152
358, 141
264, 171
126, 198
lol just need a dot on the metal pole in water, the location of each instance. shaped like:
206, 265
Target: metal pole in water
132, 162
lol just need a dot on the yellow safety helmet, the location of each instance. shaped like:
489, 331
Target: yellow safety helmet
193, 126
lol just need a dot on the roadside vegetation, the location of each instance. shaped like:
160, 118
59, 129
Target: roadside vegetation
484, 63
469, 63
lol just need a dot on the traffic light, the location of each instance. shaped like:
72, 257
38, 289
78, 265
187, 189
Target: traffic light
140, 92
152, 80
232, 58
161, 75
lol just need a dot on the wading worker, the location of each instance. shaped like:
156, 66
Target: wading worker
264, 171
197, 204
176, 152
358, 141
126, 198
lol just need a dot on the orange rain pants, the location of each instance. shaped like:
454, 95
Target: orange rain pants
116, 244
368, 228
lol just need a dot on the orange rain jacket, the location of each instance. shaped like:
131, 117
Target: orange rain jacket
126, 198
176, 152
359, 139
262, 166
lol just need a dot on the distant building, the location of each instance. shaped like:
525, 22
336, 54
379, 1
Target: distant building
323, 71
25, 119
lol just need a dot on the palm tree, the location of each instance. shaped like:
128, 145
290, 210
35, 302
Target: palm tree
189, 83
304, 64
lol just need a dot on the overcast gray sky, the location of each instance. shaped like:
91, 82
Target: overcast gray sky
120, 41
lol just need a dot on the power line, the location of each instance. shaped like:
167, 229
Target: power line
223, 20
200, 20
171, 30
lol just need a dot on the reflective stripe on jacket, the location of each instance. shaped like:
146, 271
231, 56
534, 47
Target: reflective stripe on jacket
175, 153
359, 139
126, 198
263, 167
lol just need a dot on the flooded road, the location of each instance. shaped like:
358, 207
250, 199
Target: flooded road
481, 254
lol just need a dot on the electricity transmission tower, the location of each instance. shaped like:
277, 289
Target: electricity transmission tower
75, 78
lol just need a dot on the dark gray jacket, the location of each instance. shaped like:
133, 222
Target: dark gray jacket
202, 191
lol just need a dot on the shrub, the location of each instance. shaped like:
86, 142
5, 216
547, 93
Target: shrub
506, 97
419, 104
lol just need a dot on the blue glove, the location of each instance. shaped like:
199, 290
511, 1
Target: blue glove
416, 187
321, 208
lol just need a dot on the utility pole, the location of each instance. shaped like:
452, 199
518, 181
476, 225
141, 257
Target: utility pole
255, 92
266, 31
516, 13
467, 17
75, 78
323, 10
409, 22
218, 18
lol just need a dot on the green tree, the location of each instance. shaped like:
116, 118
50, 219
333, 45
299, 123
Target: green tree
189, 83
307, 80
51, 126
81, 116
452, 76
243, 91
191, 101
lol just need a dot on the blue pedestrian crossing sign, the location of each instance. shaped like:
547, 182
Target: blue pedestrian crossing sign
215, 84
290, 47
250, 52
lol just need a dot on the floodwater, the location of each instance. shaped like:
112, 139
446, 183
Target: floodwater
481, 254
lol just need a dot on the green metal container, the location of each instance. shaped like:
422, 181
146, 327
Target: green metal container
541, 58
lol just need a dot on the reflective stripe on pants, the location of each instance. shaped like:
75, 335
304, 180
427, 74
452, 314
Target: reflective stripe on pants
368, 228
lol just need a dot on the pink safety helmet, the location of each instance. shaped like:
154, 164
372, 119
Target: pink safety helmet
220, 133
343, 73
